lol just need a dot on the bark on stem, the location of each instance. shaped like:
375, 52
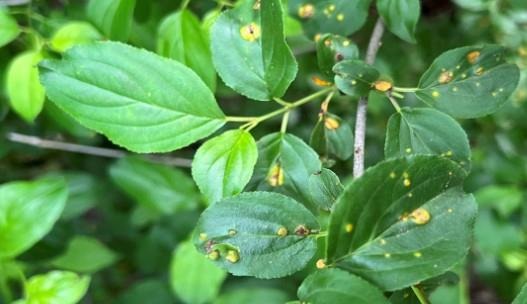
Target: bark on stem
89, 150
360, 123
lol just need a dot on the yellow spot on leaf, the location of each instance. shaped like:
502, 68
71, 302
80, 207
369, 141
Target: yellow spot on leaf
331, 123
306, 11
417, 254
450, 210
275, 178
346, 43
232, 256
214, 255
473, 56
354, 82
420, 216
256, 5
232, 232
392, 175
382, 85
408, 150
407, 182
332, 7
340, 17
435, 94
250, 32
455, 89
383, 242
317, 37
321, 82
302, 230
202, 236
349, 228
282, 231
387, 255
445, 77
321, 264
449, 153
479, 71
410, 194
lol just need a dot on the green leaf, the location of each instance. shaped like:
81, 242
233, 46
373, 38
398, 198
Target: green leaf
26, 94
332, 137
224, 165
181, 37
522, 296
342, 17
261, 234
355, 78
400, 17
505, 199
147, 291
253, 295
325, 188
469, 82
335, 286
139, 100
9, 28
194, 278
85, 191
426, 131
285, 163
85, 255
392, 220
65, 122
113, 17
250, 52
73, 33
159, 188
56, 287
28, 211
332, 49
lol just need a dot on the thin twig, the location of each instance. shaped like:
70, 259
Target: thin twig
360, 123
89, 150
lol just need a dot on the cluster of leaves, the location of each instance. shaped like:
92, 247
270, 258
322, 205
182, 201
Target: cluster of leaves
276, 205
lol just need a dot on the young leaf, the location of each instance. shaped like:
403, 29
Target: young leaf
139, 100
9, 29
113, 17
469, 82
194, 278
332, 49
181, 37
85, 255
355, 78
56, 287
28, 211
26, 94
73, 33
285, 163
332, 137
224, 165
261, 234
335, 286
342, 17
426, 131
250, 52
400, 17
159, 188
392, 220
325, 188
522, 296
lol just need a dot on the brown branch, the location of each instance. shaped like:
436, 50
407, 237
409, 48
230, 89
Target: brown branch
360, 123
89, 150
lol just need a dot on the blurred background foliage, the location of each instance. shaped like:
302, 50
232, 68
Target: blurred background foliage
118, 227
